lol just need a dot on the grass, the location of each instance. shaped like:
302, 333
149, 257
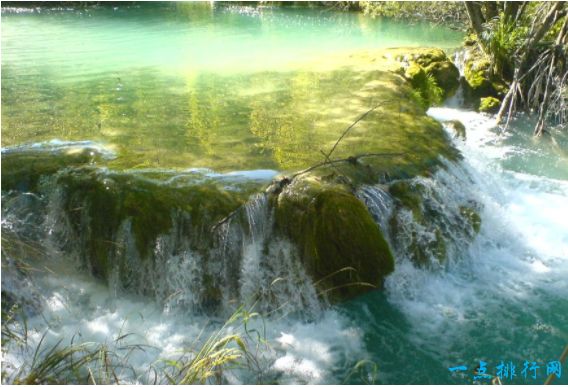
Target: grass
222, 352
232, 347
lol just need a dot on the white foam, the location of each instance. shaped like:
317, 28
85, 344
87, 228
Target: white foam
56, 145
518, 259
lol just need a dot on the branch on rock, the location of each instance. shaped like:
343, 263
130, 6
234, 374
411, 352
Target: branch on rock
278, 186
350, 159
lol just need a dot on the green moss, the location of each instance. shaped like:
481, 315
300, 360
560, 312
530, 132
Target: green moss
479, 80
425, 238
22, 170
435, 64
108, 199
489, 105
409, 196
446, 75
428, 91
476, 73
333, 231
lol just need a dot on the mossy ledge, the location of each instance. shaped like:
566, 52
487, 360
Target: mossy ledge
98, 202
22, 169
340, 245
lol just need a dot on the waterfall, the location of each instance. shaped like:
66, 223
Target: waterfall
185, 268
474, 242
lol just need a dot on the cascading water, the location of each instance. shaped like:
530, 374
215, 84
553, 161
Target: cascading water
246, 264
480, 246
501, 293
499, 279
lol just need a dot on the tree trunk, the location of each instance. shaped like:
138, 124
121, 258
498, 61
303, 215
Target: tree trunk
490, 10
476, 18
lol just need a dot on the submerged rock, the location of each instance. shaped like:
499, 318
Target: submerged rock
457, 127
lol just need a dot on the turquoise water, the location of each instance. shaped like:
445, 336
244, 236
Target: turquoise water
185, 85
151, 81
182, 38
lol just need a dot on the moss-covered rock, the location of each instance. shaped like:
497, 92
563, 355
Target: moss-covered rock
342, 248
408, 195
99, 201
425, 85
434, 64
22, 168
446, 75
472, 217
424, 227
479, 81
489, 105
476, 73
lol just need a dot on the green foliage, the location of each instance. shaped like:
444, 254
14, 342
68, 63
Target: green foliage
502, 37
434, 93
223, 351
58, 365
427, 91
554, 30
448, 12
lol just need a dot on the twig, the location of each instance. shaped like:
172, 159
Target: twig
351, 159
327, 161
355, 123
286, 180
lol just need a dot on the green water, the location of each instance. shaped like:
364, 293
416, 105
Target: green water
190, 85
